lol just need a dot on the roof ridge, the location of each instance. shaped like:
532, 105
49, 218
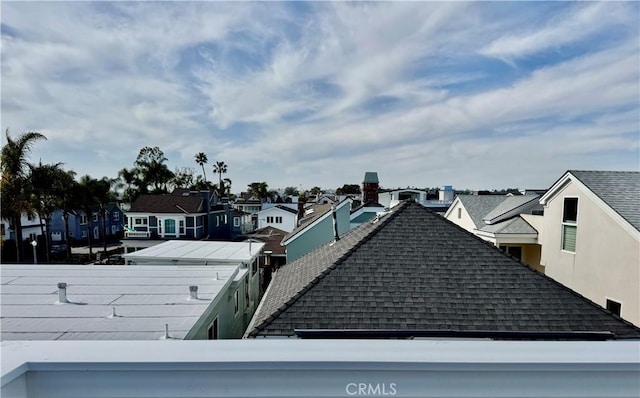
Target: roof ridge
324, 273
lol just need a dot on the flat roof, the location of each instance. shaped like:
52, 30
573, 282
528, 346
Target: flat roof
145, 298
199, 252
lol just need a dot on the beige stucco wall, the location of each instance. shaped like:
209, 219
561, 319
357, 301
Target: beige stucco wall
465, 221
606, 263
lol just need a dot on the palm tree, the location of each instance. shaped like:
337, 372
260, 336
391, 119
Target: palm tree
126, 179
259, 190
220, 168
103, 196
67, 199
15, 186
201, 159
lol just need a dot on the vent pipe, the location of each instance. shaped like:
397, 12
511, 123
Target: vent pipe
62, 293
335, 223
193, 292
166, 332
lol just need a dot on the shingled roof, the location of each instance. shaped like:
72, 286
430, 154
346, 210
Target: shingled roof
619, 189
168, 204
413, 269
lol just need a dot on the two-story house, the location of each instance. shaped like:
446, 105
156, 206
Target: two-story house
590, 236
279, 216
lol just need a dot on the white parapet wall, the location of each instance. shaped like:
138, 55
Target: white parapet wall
320, 368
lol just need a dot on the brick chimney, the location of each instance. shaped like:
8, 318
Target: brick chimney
370, 187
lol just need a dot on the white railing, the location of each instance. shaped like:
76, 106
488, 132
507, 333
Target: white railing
136, 234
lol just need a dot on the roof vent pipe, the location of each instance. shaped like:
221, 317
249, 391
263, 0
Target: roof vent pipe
335, 223
193, 292
166, 332
62, 293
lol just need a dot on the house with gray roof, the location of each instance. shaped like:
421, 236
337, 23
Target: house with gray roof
318, 226
412, 273
590, 237
501, 220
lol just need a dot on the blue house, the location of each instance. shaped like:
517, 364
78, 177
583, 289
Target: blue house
317, 228
82, 225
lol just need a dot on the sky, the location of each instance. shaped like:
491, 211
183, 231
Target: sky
480, 95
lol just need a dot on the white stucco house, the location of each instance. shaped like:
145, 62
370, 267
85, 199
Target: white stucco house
590, 237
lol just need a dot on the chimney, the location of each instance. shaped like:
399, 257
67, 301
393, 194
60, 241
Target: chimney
370, 186
62, 293
335, 223
193, 292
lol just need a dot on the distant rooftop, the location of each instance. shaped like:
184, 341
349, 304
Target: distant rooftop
370, 177
198, 252
145, 298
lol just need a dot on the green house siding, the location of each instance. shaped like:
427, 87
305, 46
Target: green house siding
318, 234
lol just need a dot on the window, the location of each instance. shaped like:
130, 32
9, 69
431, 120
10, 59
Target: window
83, 219
236, 221
569, 224
226, 220
84, 234
614, 307
116, 216
96, 233
236, 300
181, 226
279, 220
113, 230
169, 226
254, 267
460, 213
139, 221
212, 331
95, 217
270, 220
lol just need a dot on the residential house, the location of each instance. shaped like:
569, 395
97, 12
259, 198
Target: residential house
169, 216
31, 228
391, 198
83, 225
320, 224
412, 273
590, 236
248, 205
246, 256
327, 199
274, 254
499, 219
242, 223
282, 217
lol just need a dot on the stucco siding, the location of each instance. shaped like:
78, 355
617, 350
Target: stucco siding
606, 262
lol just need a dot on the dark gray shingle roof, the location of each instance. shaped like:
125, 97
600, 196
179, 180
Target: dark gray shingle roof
619, 189
415, 270
168, 204
479, 206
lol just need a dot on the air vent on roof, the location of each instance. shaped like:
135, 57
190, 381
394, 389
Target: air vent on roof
193, 292
62, 293
113, 313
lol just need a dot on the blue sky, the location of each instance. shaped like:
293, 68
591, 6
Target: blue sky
475, 95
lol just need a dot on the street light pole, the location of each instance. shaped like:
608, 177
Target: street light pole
34, 243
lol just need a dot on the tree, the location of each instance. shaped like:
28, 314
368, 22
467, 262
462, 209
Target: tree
291, 191
183, 178
152, 174
68, 199
87, 200
316, 191
259, 190
349, 189
220, 168
126, 178
103, 196
44, 193
15, 186
201, 159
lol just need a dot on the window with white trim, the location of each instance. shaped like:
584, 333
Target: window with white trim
181, 227
116, 216
270, 219
569, 224
95, 217
279, 220
236, 221
459, 212
83, 219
